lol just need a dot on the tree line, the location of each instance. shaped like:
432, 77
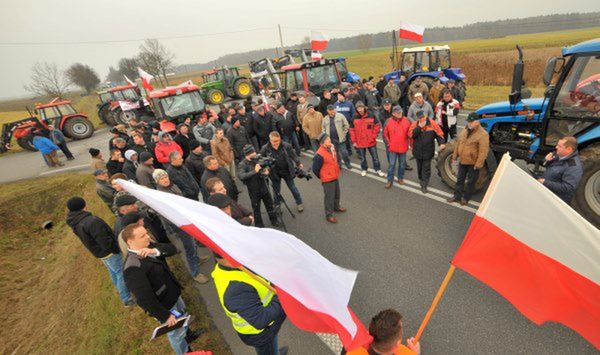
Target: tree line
47, 79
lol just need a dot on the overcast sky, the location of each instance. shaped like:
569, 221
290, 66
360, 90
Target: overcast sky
106, 20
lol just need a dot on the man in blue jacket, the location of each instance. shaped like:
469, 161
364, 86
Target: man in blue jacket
347, 109
563, 169
47, 148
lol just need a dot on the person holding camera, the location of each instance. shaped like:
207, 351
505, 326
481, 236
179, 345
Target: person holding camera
286, 163
255, 176
446, 112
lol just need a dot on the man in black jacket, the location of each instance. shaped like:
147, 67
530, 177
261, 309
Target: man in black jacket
255, 178
246, 120
262, 124
238, 138
115, 164
183, 138
156, 289
195, 163
326, 100
182, 177
98, 238
103, 187
213, 169
286, 162
287, 125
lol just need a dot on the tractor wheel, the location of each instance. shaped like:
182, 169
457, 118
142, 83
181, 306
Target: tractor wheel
587, 196
448, 171
112, 118
25, 143
123, 117
462, 87
215, 96
428, 81
78, 127
242, 88
103, 114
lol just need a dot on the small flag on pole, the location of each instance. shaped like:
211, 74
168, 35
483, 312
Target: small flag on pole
411, 31
129, 81
146, 78
318, 41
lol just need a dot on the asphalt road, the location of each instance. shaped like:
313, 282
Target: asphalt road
401, 241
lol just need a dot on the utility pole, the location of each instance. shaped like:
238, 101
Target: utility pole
280, 39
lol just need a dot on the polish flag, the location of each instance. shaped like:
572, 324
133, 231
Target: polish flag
316, 55
318, 41
544, 259
313, 291
265, 101
129, 81
146, 78
411, 31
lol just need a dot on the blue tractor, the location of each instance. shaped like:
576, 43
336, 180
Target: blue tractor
347, 76
428, 62
530, 128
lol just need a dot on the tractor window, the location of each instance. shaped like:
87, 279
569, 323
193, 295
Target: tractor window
118, 96
105, 97
221, 75
408, 62
578, 100
66, 110
442, 60
130, 94
50, 112
422, 59
178, 105
290, 80
322, 78
235, 72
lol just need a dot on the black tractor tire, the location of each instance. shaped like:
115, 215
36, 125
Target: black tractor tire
242, 88
448, 172
103, 114
123, 117
215, 96
26, 143
78, 127
587, 196
462, 87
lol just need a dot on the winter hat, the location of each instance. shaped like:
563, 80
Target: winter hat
248, 149
161, 134
322, 137
75, 204
124, 200
219, 200
99, 172
310, 106
397, 109
359, 104
158, 174
472, 117
130, 153
420, 114
234, 119
130, 218
194, 144
94, 152
386, 102
144, 157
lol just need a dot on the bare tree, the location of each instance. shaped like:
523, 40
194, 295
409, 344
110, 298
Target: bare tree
156, 59
47, 80
128, 67
83, 76
364, 42
114, 75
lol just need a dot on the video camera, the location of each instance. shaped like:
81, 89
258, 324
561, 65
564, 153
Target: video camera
263, 161
303, 174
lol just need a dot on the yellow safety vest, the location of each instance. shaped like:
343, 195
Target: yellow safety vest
222, 278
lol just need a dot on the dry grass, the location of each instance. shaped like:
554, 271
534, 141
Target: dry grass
56, 297
478, 96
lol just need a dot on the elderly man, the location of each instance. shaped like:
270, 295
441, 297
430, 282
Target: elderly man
182, 177
327, 169
417, 86
563, 169
337, 127
419, 104
392, 92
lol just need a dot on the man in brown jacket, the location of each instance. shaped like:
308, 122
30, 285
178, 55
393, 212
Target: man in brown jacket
392, 92
417, 86
312, 125
222, 150
472, 147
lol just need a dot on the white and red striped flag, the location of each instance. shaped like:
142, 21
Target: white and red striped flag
129, 81
316, 55
146, 78
318, 41
313, 291
411, 31
536, 251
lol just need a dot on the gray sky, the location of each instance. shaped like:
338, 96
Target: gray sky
101, 20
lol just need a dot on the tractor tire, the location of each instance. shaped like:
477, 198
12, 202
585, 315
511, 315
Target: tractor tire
462, 87
78, 127
215, 96
449, 171
242, 88
26, 143
587, 196
123, 117
111, 118
103, 114
428, 81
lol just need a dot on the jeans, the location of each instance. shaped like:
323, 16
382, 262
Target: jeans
177, 336
424, 171
191, 254
293, 140
342, 154
65, 150
255, 200
362, 153
348, 144
271, 348
114, 264
401, 159
289, 181
314, 144
465, 172
332, 197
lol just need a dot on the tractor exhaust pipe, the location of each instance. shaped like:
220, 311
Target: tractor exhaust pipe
517, 82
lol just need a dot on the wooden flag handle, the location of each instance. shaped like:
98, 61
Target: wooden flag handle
434, 303
255, 277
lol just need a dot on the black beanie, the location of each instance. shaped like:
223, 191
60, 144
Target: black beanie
194, 144
75, 204
144, 156
130, 218
94, 152
219, 200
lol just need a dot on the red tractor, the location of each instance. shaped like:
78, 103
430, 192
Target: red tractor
120, 104
60, 114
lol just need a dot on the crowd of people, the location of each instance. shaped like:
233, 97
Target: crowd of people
260, 145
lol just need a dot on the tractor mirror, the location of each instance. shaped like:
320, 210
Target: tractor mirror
554, 65
517, 81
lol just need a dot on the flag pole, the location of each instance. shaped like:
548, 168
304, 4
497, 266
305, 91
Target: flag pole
256, 278
434, 304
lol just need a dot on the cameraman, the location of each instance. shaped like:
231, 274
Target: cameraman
286, 162
254, 176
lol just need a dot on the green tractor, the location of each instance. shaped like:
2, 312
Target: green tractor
224, 82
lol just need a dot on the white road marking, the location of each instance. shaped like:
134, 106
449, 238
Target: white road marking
70, 168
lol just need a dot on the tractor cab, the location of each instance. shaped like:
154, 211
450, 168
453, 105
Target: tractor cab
264, 74
176, 103
52, 112
109, 108
312, 78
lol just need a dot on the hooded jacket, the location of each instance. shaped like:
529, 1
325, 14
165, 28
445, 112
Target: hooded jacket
364, 130
396, 135
163, 149
94, 233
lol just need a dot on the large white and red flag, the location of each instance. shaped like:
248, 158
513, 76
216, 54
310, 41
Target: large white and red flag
411, 31
316, 55
318, 41
146, 78
313, 291
129, 81
536, 251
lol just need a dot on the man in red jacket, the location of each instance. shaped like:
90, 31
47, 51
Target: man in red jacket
363, 134
326, 167
396, 137
164, 147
